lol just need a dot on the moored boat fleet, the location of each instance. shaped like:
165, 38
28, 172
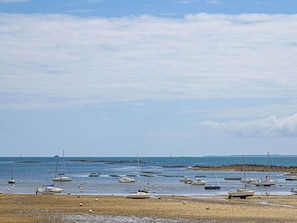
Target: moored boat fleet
234, 185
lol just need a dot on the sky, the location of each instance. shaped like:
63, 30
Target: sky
148, 78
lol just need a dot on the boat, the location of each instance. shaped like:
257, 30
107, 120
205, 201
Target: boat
232, 178
294, 190
138, 195
49, 190
267, 181
126, 180
60, 176
291, 176
94, 174
242, 193
212, 187
188, 181
184, 179
249, 181
199, 182
12, 180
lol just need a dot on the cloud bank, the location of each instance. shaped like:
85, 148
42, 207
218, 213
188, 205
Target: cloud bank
272, 126
59, 60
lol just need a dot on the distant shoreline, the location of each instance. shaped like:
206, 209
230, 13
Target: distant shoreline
240, 167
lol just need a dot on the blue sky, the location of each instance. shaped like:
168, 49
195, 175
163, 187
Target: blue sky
148, 78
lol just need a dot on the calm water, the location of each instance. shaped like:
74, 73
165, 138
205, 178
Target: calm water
32, 172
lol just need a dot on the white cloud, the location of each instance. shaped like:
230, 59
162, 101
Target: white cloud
214, 2
59, 60
272, 126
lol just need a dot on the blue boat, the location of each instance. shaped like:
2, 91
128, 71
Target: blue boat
212, 187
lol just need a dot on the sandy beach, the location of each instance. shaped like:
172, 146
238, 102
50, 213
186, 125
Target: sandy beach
92, 208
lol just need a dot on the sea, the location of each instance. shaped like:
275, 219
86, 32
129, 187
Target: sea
160, 174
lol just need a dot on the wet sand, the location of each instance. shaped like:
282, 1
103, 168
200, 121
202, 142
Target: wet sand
92, 208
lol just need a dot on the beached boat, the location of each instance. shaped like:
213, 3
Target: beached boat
242, 193
49, 190
138, 195
199, 182
294, 190
126, 180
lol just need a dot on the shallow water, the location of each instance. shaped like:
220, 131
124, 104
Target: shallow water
122, 219
32, 172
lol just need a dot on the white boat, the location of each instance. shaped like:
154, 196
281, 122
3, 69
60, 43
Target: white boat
294, 190
138, 195
249, 181
12, 180
199, 182
184, 179
188, 181
242, 193
126, 180
265, 182
62, 177
49, 190
291, 176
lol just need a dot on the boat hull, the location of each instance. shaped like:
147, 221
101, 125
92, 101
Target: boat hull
49, 190
242, 193
212, 187
138, 195
62, 179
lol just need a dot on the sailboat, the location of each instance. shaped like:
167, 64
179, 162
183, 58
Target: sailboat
213, 186
242, 193
267, 181
60, 176
11, 180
